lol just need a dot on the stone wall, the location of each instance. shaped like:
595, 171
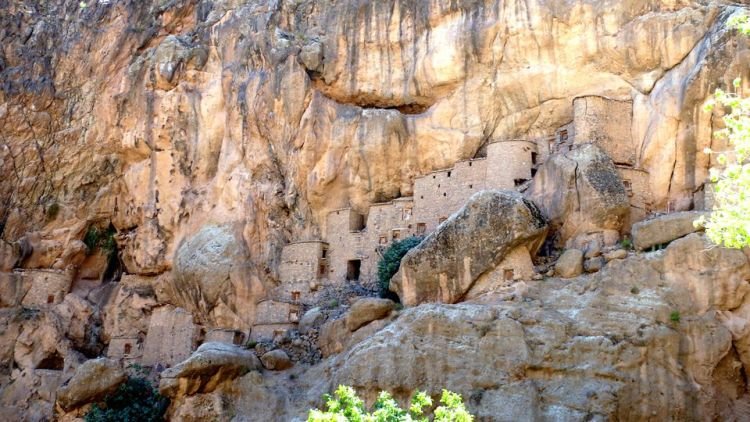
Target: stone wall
439, 194
47, 287
607, 123
275, 317
221, 335
348, 245
637, 187
510, 163
129, 348
172, 336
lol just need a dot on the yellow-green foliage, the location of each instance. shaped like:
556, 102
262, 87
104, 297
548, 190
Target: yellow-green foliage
729, 223
345, 406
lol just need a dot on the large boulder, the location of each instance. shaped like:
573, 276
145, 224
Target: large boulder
212, 278
472, 241
276, 360
93, 380
570, 264
580, 191
210, 365
366, 310
664, 228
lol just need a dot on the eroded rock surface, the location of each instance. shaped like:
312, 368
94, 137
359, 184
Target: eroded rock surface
92, 380
474, 240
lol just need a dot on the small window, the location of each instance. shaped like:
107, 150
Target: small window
533, 172
441, 219
470, 163
508, 274
356, 222
628, 187
433, 176
293, 315
238, 337
421, 197
471, 186
449, 174
396, 234
563, 135
438, 184
533, 158
324, 253
519, 182
421, 228
406, 214
295, 296
445, 194
321, 270
383, 240
127, 349
50, 299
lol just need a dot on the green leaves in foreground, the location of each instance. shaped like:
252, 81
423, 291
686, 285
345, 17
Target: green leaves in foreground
729, 223
345, 406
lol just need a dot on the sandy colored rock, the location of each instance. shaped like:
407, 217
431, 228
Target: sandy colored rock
664, 229
366, 310
593, 265
580, 191
475, 239
570, 264
210, 365
616, 254
276, 360
312, 319
92, 381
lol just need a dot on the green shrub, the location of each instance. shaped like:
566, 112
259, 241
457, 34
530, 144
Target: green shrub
52, 211
134, 401
96, 238
345, 406
391, 260
674, 316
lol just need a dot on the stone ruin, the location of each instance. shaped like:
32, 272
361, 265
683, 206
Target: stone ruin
353, 243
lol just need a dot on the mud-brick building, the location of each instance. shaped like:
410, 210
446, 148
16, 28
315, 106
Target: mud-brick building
304, 265
47, 287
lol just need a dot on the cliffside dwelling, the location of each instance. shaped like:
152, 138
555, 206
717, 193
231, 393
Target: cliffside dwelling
353, 243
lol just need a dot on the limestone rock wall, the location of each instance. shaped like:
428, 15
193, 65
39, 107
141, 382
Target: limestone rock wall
164, 118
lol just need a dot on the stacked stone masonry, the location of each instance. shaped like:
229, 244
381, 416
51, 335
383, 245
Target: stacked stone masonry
353, 243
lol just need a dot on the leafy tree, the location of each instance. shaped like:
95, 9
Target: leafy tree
345, 406
135, 400
391, 261
729, 223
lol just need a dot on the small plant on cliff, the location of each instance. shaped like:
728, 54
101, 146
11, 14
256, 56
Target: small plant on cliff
674, 316
391, 260
101, 239
134, 401
345, 406
729, 223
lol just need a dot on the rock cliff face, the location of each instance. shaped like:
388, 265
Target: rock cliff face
176, 146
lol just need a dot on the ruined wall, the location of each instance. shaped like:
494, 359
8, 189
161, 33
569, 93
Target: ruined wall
172, 336
636, 182
608, 123
127, 348
275, 317
225, 336
348, 244
48, 287
303, 261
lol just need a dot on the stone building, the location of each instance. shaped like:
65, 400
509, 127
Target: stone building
608, 123
126, 348
304, 266
46, 287
274, 318
223, 335
172, 336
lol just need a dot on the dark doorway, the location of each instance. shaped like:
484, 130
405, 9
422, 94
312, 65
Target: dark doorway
352, 269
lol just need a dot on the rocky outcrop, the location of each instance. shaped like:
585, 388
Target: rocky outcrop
664, 229
570, 264
211, 365
474, 240
211, 278
276, 360
92, 381
580, 192
366, 310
